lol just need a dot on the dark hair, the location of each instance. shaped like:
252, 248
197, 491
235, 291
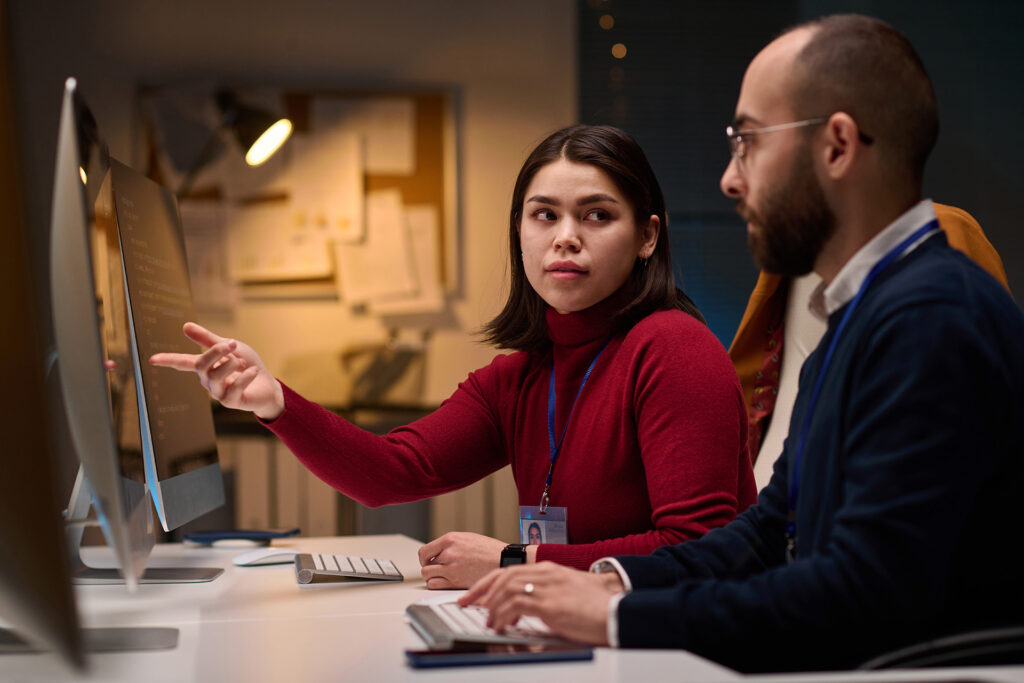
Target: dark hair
866, 68
522, 324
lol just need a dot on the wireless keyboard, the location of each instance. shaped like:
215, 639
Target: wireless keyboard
320, 568
441, 625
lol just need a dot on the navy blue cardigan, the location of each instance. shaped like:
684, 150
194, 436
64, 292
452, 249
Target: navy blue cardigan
906, 519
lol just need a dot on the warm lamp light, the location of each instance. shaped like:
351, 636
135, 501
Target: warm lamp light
269, 142
258, 133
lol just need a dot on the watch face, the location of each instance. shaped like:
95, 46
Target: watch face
513, 554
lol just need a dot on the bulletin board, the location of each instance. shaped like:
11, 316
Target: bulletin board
382, 233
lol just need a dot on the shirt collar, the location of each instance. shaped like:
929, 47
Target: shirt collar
827, 300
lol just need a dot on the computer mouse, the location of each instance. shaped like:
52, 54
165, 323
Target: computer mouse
264, 556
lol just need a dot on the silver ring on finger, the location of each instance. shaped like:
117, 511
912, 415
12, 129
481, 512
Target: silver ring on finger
528, 589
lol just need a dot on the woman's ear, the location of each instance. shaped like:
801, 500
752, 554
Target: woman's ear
649, 237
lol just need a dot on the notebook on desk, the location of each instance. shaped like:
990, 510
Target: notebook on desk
442, 625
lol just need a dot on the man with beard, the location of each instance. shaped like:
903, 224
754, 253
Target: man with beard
887, 518
778, 332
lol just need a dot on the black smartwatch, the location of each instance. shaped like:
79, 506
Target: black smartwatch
514, 553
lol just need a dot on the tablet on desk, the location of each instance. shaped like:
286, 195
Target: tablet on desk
475, 654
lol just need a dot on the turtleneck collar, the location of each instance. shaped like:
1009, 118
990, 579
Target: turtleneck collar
583, 327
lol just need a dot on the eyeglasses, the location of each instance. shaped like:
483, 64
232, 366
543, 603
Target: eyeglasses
738, 139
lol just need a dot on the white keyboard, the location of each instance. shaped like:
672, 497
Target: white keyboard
321, 568
472, 620
439, 624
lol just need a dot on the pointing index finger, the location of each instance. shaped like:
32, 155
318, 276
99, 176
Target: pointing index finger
178, 361
201, 335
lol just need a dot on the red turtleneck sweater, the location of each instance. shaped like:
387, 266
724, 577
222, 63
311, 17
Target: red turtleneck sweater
654, 453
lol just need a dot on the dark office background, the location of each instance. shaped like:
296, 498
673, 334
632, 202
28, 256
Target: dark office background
676, 87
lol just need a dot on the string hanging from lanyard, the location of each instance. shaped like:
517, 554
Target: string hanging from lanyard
556, 447
794, 481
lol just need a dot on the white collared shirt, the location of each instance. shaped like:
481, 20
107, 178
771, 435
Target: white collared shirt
827, 300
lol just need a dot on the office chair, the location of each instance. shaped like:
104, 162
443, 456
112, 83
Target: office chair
973, 648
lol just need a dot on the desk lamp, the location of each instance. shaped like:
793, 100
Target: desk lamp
258, 132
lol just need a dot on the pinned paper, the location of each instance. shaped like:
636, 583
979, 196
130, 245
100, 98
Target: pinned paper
268, 242
382, 266
203, 228
327, 182
422, 226
387, 124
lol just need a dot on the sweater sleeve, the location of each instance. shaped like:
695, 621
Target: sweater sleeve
691, 431
883, 569
457, 444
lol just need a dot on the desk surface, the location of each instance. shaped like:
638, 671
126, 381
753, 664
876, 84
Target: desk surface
257, 624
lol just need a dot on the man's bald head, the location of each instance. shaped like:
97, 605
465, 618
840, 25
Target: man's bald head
866, 68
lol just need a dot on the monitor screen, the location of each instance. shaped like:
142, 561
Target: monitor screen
178, 440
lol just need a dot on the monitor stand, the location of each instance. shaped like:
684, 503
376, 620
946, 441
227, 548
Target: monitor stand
107, 639
83, 574
77, 518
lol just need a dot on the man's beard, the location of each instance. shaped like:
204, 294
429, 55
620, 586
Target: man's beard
793, 223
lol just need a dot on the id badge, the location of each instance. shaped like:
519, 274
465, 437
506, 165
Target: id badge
536, 528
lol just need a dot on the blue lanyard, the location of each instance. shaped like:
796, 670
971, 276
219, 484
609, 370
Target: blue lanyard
794, 483
556, 447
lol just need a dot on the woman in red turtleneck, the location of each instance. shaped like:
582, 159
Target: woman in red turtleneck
654, 451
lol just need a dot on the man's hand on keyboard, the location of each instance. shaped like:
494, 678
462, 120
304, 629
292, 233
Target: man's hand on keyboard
572, 603
458, 559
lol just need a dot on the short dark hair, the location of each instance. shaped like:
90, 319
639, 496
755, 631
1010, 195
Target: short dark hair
522, 324
864, 67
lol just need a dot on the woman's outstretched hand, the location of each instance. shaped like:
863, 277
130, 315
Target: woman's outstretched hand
230, 370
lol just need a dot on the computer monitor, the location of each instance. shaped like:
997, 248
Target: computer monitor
36, 599
85, 312
118, 281
178, 440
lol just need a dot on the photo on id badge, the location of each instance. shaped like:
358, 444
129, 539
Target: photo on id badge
536, 527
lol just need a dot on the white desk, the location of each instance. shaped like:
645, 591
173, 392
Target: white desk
256, 624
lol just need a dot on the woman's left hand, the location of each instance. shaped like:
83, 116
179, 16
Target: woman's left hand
458, 559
